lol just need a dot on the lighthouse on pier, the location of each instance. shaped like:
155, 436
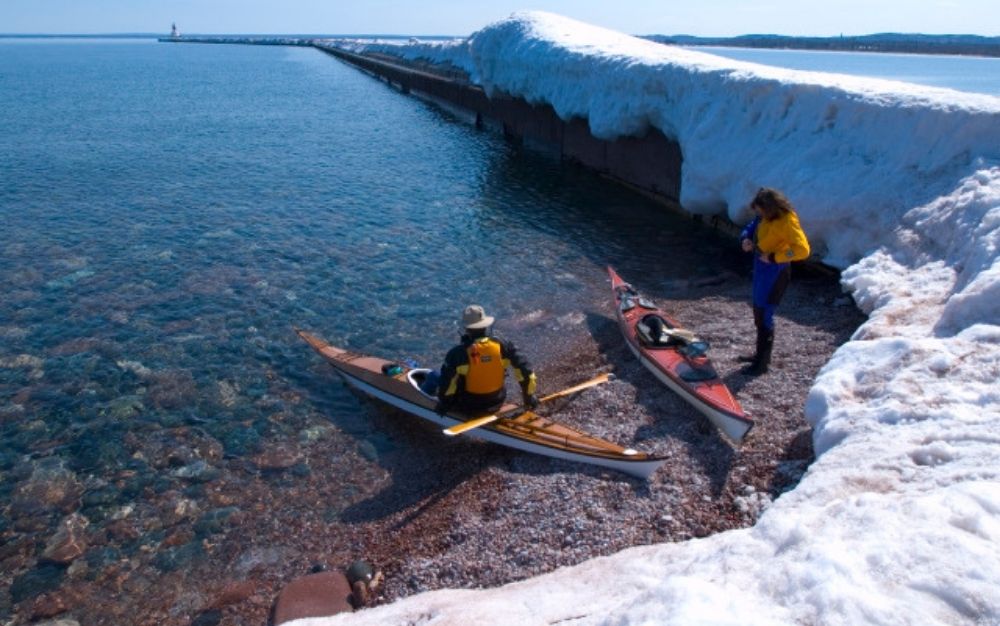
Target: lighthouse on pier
174, 33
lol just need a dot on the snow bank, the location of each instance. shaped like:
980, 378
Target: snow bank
834, 143
898, 520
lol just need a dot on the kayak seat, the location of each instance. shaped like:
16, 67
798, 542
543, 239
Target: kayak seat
652, 332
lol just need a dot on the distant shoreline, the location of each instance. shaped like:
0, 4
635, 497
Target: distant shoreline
959, 45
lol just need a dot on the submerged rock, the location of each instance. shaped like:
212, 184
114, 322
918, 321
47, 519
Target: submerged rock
315, 433
13, 332
99, 449
135, 367
176, 447
69, 541
63, 621
241, 441
45, 577
28, 362
172, 389
278, 457
173, 559
367, 450
216, 521
70, 279
51, 487
211, 617
199, 471
126, 407
228, 393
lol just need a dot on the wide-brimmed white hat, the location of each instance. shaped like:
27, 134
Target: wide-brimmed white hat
474, 317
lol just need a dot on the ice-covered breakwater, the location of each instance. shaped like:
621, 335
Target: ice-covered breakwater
833, 142
254, 41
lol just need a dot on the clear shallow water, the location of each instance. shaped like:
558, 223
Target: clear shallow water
171, 211
963, 73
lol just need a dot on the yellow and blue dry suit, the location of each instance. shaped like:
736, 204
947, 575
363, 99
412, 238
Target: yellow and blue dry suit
474, 372
782, 241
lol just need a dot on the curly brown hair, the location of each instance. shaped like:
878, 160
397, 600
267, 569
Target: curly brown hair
772, 203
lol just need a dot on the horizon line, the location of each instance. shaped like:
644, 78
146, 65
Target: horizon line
441, 36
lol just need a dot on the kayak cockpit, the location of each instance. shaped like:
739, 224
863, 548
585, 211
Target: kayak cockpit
655, 331
418, 378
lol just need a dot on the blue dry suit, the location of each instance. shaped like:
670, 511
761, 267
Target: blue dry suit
769, 281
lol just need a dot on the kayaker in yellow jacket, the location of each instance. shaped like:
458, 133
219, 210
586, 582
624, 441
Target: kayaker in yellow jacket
776, 239
474, 372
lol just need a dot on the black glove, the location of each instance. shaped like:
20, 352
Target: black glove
531, 401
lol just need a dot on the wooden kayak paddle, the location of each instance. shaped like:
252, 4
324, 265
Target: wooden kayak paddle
458, 429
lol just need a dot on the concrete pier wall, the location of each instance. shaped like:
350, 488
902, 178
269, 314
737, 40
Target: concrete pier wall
651, 164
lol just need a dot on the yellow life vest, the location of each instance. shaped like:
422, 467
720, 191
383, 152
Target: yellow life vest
486, 367
783, 237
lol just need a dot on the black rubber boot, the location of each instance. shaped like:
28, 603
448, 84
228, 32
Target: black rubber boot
758, 321
765, 342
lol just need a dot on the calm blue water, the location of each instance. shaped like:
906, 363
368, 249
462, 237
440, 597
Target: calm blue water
964, 73
171, 211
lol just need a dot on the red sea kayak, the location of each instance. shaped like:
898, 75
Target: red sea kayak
677, 357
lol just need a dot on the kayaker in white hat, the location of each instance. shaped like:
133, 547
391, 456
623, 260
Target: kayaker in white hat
474, 372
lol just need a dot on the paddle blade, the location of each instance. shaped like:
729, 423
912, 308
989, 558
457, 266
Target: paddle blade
458, 429
597, 380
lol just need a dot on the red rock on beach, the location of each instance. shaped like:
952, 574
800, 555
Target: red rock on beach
315, 595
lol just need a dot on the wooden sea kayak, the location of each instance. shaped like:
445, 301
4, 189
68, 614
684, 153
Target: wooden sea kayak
677, 357
399, 385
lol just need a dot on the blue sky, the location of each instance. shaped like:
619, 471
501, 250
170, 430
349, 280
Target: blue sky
704, 17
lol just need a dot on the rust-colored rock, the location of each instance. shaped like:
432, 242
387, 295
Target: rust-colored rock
51, 487
68, 543
315, 595
178, 538
122, 530
47, 605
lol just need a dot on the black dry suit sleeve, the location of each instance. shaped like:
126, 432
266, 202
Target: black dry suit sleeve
525, 376
448, 373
